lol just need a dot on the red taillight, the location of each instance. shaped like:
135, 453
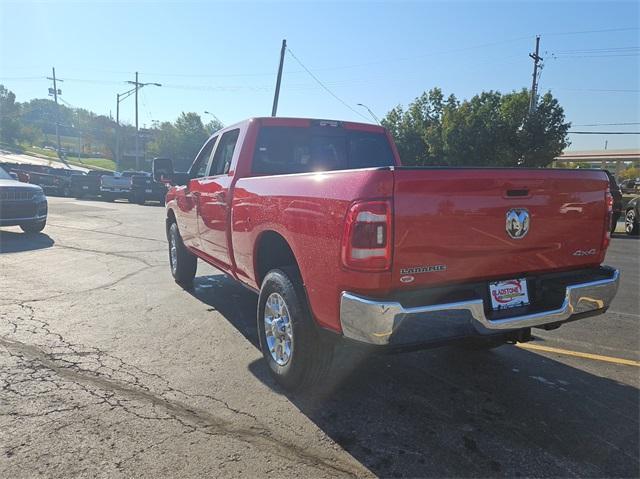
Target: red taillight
366, 243
606, 239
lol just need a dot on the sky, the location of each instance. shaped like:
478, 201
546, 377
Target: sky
223, 57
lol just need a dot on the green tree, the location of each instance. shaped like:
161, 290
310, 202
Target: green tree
9, 116
191, 134
181, 141
213, 126
490, 129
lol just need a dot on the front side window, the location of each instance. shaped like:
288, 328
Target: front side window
224, 153
199, 167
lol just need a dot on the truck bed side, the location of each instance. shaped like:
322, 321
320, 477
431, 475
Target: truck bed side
308, 210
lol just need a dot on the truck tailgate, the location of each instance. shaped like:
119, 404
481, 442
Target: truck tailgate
450, 224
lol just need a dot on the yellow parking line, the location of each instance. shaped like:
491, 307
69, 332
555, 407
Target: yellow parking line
595, 357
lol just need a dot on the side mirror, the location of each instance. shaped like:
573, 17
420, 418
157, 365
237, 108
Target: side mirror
162, 169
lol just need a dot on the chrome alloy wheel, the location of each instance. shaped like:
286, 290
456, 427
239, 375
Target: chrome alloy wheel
277, 329
173, 252
629, 221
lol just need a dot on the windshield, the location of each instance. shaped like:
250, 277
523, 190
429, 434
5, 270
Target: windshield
281, 150
4, 175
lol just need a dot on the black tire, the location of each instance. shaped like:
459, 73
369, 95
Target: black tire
631, 223
614, 222
34, 226
183, 264
310, 355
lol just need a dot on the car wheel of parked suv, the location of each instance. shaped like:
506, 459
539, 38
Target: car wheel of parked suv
631, 225
297, 356
33, 227
183, 263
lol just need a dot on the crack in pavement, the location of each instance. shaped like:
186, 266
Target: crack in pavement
106, 233
117, 254
104, 380
6, 301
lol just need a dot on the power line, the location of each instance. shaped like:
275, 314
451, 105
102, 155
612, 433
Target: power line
595, 50
605, 30
324, 87
612, 55
610, 124
604, 90
604, 132
21, 78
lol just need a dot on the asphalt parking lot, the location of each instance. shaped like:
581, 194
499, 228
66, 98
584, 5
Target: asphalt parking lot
109, 369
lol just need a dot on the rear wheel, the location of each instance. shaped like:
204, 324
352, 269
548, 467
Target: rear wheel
183, 263
297, 356
631, 226
34, 226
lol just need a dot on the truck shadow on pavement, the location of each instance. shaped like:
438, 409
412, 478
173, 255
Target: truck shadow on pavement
16, 242
446, 413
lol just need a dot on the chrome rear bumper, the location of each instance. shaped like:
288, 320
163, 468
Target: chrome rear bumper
381, 322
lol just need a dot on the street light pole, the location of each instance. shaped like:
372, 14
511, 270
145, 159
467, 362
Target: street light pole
214, 117
370, 112
79, 135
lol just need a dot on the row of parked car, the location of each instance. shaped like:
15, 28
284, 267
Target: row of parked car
134, 186
628, 211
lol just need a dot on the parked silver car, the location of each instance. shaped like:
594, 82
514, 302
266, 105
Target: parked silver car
22, 204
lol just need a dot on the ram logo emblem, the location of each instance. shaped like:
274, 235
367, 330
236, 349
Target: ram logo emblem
518, 222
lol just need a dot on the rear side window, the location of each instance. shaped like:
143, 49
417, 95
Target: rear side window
282, 150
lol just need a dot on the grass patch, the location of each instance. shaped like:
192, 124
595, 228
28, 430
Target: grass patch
100, 163
40, 151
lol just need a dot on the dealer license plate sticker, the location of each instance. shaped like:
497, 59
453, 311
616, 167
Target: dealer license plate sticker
508, 294
148, 191
85, 187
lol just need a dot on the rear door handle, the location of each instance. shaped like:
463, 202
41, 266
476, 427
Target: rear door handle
196, 194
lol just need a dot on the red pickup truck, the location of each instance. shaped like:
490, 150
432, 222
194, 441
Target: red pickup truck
343, 243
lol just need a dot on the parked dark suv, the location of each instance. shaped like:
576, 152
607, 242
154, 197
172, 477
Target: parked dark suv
614, 188
145, 188
22, 204
89, 184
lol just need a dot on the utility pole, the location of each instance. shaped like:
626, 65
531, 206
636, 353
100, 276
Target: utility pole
55, 93
137, 130
534, 84
277, 94
137, 86
118, 132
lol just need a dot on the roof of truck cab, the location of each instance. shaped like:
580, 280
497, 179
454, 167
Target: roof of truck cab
302, 122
